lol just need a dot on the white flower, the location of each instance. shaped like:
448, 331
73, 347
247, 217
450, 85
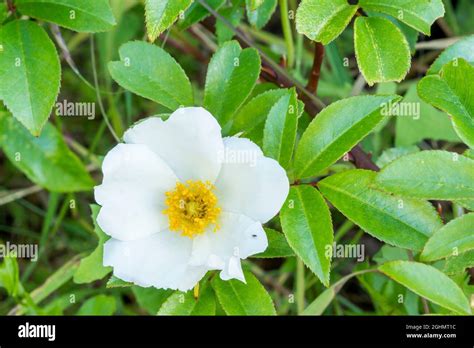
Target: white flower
178, 201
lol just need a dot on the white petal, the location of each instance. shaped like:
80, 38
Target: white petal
160, 260
250, 183
132, 193
238, 238
189, 141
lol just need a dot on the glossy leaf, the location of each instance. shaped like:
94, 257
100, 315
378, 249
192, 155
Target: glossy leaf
83, 16
196, 12
260, 15
399, 221
418, 14
238, 298
307, 225
45, 160
161, 14
457, 264
158, 77
382, 50
430, 175
428, 282
185, 304
277, 246
323, 20
336, 130
151, 299
30, 73
280, 129
98, 305
452, 92
251, 118
231, 76
464, 49
454, 238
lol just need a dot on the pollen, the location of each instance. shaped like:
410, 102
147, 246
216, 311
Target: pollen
192, 208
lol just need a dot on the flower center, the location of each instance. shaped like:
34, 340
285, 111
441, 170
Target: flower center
192, 207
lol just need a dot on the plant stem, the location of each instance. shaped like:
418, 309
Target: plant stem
300, 286
287, 34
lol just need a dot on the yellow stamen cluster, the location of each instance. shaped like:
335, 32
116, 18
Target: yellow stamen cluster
192, 207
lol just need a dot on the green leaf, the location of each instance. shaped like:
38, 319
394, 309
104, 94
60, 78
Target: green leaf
10, 276
196, 13
185, 304
254, 4
418, 14
251, 118
428, 282
451, 91
151, 299
115, 282
307, 225
30, 73
336, 130
234, 15
158, 77
3, 12
91, 267
46, 160
323, 20
454, 238
430, 175
84, 16
399, 221
238, 298
464, 49
260, 15
279, 135
277, 246
231, 76
382, 50
98, 305
393, 153
417, 120
457, 264
161, 14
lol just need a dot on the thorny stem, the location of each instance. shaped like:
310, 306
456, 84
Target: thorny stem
287, 34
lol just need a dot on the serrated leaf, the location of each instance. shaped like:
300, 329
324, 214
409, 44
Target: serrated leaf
382, 50
98, 305
417, 120
231, 76
430, 175
454, 238
336, 130
307, 225
238, 298
161, 14
251, 118
151, 299
393, 153
418, 14
83, 16
91, 267
115, 282
399, 221
428, 282
452, 92
260, 15
181, 303
279, 134
457, 264
323, 20
46, 160
158, 77
464, 49
196, 13
30, 73
277, 246
234, 15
